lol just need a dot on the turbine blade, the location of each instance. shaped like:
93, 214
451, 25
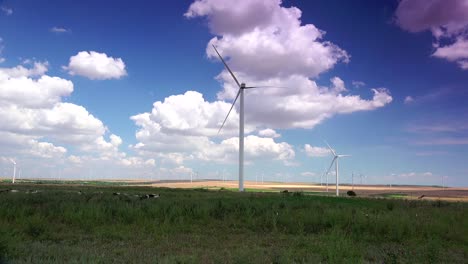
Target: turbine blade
227, 67
331, 164
341, 156
232, 106
277, 87
332, 151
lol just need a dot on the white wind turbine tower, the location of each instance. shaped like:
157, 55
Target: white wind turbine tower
240, 94
14, 170
335, 160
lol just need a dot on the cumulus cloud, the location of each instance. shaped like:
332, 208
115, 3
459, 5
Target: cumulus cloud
46, 149
267, 45
96, 66
457, 51
265, 39
181, 127
36, 123
39, 68
268, 133
304, 104
337, 85
275, 49
447, 20
312, 151
420, 15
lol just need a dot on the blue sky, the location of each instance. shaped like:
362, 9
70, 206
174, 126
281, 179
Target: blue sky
121, 58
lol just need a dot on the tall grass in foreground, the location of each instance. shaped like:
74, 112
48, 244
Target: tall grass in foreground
90, 224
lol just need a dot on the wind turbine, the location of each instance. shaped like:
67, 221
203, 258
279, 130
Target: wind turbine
240, 94
335, 160
362, 176
14, 170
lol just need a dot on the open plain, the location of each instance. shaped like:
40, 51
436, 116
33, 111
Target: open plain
211, 222
395, 191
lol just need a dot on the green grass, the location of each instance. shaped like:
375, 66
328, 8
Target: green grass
59, 224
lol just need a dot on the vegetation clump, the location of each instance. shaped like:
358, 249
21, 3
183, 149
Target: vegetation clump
351, 193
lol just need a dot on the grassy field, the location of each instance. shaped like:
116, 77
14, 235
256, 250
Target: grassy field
89, 224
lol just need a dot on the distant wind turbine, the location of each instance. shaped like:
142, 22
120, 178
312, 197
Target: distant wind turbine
14, 170
240, 94
335, 160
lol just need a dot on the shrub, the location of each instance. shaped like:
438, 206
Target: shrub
351, 193
390, 206
298, 194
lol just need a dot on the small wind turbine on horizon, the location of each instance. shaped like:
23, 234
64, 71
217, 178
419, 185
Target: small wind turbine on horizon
361, 176
240, 94
14, 170
335, 160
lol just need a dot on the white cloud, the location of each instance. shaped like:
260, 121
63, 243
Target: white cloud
447, 20
337, 85
275, 49
440, 16
180, 128
137, 162
308, 174
46, 150
224, 17
416, 174
303, 104
358, 84
268, 133
408, 99
272, 48
96, 66
463, 64
265, 39
39, 68
454, 52
59, 30
258, 147
8, 11
312, 151
37, 123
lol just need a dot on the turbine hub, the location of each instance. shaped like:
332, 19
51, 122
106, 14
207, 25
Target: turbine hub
242, 85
